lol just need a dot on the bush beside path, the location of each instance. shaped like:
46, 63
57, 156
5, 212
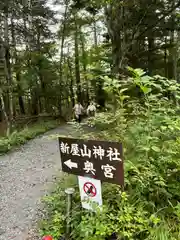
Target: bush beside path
17, 138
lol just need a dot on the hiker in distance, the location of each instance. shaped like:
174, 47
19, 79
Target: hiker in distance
91, 110
78, 111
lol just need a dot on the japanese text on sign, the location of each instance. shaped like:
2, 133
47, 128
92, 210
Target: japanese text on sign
91, 157
97, 151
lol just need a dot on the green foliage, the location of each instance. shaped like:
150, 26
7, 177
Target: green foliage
142, 87
128, 221
150, 206
21, 137
118, 215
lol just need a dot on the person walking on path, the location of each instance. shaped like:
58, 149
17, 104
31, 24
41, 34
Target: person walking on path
91, 110
78, 110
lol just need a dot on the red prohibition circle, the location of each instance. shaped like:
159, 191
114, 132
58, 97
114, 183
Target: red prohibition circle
90, 189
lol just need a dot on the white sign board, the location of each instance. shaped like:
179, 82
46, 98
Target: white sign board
90, 191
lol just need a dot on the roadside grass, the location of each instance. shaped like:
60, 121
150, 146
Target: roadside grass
18, 138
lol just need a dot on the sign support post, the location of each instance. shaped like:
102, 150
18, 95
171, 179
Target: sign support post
69, 192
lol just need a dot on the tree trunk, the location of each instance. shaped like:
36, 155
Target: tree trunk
165, 59
150, 53
35, 104
95, 32
173, 50
178, 53
84, 61
33, 99
17, 70
62, 53
42, 104
20, 98
1, 113
8, 73
173, 57
71, 82
116, 25
63, 38
2, 81
8, 123
77, 66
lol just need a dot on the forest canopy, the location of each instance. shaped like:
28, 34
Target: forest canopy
53, 53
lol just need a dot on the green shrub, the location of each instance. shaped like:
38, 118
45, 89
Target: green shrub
118, 216
121, 214
149, 128
21, 137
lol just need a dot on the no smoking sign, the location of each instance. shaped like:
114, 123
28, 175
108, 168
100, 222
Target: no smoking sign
90, 191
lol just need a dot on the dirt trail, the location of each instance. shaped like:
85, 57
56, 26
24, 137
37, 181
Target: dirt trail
25, 176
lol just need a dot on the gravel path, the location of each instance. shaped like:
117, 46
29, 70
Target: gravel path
25, 176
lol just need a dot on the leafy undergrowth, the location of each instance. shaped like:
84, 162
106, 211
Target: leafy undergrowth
18, 138
149, 209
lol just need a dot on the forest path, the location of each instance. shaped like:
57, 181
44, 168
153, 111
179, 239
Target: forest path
26, 175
